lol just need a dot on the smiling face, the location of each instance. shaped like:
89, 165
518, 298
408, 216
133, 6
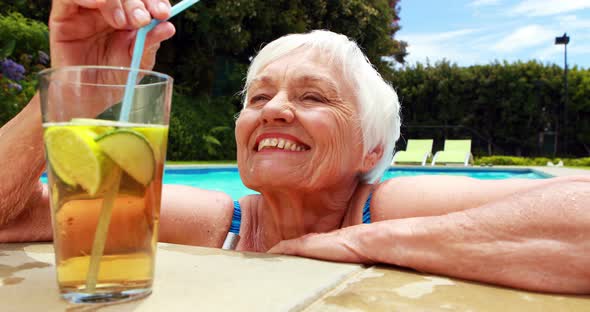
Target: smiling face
300, 128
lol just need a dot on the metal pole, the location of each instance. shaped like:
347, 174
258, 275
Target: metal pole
561, 118
565, 100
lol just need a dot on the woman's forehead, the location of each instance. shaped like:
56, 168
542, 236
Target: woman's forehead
302, 67
297, 78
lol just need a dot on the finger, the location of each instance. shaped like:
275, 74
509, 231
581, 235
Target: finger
159, 9
136, 12
113, 13
163, 31
65, 8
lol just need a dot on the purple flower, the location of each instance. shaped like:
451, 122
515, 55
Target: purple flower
12, 70
43, 58
14, 85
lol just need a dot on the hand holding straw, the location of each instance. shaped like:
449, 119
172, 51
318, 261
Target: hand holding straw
138, 52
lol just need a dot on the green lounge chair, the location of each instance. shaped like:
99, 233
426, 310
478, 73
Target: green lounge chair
455, 152
417, 151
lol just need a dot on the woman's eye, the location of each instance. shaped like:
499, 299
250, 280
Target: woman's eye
313, 98
259, 98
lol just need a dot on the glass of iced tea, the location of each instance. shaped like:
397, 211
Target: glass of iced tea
105, 177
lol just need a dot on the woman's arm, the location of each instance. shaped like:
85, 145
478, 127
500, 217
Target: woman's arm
21, 162
422, 196
537, 239
188, 216
193, 216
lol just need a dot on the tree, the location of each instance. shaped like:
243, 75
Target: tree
215, 40
33, 9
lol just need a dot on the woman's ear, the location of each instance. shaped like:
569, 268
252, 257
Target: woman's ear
372, 157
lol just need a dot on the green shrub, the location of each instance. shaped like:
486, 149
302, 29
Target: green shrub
202, 128
577, 162
525, 161
23, 46
20, 35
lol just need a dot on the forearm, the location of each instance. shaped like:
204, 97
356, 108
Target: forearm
21, 161
539, 240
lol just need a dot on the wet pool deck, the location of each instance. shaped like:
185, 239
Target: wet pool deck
203, 279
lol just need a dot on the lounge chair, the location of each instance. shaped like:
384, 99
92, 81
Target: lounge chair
455, 152
417, 151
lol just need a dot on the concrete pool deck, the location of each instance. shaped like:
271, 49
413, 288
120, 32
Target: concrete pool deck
204, 279
562, 171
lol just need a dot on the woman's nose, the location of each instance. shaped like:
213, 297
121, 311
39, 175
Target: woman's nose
278, 109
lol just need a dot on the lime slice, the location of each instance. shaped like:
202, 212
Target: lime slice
61, 173
131, 151
157, 137
75, 157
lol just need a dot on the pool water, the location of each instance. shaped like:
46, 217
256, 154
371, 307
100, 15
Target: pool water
228, 180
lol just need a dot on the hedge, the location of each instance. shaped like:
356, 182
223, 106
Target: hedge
525, 161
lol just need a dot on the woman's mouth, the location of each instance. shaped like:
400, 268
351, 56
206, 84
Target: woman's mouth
282, 144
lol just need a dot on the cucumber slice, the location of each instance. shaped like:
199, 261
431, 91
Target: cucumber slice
131, 151
157, 136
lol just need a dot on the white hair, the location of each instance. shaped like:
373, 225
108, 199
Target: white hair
378, 103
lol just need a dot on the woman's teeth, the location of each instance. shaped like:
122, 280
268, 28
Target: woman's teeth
280, 144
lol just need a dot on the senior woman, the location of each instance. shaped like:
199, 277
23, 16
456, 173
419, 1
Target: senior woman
316, 133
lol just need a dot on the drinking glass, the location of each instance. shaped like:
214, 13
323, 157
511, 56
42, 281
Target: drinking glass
105, 178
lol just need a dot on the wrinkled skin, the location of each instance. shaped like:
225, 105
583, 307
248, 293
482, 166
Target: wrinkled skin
300, 95
304, 97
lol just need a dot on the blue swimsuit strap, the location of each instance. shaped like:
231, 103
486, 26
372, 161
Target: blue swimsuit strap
236, 218
367, 210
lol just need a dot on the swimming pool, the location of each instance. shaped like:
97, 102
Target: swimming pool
227, 179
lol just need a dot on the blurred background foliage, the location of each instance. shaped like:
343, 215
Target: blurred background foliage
505, 108
23, 46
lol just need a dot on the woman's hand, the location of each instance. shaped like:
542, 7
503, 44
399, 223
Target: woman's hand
343, 245
102, 32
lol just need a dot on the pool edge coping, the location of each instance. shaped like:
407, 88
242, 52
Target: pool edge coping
515, 169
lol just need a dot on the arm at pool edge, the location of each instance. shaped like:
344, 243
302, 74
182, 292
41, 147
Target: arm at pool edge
193, 216
536, 240
21, 162
188, 216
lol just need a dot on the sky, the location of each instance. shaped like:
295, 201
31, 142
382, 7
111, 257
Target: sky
469, 32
